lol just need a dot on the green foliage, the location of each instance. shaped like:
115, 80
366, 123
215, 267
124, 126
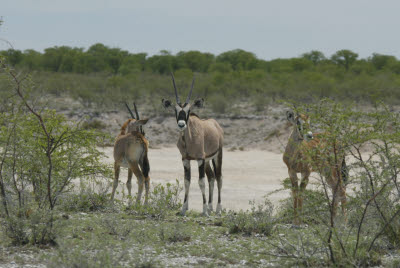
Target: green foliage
239, 59
315, 56
94, 124
258, 220
86, 200
163, 200
344, 58
42, 153
105, 76
179, 233
372, 208
382, 61
219, 104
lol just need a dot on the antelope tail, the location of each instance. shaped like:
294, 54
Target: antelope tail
146, 166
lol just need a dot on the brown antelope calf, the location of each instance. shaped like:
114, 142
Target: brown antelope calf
130, 150
199, 140
299, 157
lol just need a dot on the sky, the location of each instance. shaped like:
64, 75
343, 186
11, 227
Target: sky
269, 29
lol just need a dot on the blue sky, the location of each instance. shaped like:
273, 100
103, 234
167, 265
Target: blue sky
270, 29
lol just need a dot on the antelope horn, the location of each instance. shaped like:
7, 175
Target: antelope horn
190, 93
176, 91
129, 110
137, 117
136, 112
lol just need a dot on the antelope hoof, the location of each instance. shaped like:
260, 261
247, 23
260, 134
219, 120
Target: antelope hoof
210, 208
205, 210
219, 209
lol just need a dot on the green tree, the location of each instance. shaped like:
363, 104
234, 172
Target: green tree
239, 59
163, 63
133, 63
301, 64
315, 56
31, 59
380, 61
13, 56
344, 58
195, 60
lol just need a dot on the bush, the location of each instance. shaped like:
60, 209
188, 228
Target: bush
179, 233
373, 209
42, 153
258, 220
162, 200
87, 200
219, 104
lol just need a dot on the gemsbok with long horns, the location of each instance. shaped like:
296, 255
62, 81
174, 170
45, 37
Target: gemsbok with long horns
130, 150
199, 140
307, 152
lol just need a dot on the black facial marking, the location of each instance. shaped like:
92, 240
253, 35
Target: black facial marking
182, 116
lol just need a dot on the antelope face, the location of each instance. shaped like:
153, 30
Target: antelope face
182, 111
302, 124
182, 116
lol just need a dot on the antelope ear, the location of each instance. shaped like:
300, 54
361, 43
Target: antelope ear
166, 103
142, 122
290, 116
137, 123
199, 103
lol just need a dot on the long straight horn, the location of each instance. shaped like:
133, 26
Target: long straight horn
129, 110
190, 93
136, 112
138, 118
176, 91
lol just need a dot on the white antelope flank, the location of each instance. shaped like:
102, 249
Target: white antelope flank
130, 150
298, 159
199, 140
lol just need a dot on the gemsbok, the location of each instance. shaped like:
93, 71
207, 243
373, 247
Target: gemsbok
200, 140
308, 152
130, 151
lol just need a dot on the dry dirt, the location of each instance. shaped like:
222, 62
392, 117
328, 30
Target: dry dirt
247, 175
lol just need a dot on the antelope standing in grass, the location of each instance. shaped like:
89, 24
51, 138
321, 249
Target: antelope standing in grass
130, 150
199, 140
299, 159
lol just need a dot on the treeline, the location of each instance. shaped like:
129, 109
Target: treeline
100, 58
106, 76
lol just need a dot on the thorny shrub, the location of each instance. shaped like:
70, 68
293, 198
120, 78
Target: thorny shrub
41, 154
370, 141
163, 199
259, 220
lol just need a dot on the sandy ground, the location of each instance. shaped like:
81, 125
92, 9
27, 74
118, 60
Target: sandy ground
247, 175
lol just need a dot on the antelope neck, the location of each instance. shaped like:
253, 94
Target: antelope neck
296, 135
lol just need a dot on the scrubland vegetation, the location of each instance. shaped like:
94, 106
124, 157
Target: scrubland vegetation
105, 76
54, 190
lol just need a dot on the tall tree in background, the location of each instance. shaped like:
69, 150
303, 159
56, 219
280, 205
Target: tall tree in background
380, 61
315, 56
239, 59
344, 58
